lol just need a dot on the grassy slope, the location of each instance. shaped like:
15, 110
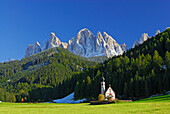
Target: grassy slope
164, 98
142, 106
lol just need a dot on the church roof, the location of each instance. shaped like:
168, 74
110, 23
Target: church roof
109, 90
102, 79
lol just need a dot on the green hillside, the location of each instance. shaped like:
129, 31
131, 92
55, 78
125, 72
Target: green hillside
163, 98
40, 76
138, 73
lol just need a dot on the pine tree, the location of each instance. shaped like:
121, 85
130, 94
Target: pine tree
131, 88
167, 59
137, 86
76, 90
88, 86
82, 88
157, 61
167, 44
125, 90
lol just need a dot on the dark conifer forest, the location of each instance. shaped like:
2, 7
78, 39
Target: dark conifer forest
138, 73
55, 73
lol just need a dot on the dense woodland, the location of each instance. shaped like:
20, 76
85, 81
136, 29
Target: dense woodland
38, 77
138, 73
55, 73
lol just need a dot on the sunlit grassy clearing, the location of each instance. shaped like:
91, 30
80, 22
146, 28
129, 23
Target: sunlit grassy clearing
161, 107
155, 105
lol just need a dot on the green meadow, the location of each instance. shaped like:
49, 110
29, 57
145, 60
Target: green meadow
158, 105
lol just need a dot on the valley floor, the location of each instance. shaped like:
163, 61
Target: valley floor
56, 108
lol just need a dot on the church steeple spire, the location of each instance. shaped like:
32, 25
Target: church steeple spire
102, 85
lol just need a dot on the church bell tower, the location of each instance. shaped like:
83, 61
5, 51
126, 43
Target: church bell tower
102, 85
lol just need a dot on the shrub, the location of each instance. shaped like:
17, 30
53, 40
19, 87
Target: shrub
22, 100
101, 97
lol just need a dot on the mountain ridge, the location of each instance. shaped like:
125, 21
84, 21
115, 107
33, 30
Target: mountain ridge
84, 44
143, 38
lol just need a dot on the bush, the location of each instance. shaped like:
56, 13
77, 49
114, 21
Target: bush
101, 97
22, 100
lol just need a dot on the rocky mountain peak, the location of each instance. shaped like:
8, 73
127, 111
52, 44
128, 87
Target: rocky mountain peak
84, 44
108, 38
105, 34
33, 49
99, 34
157, 32
54, 41
144, 37
84, 33
52, 34
37, 43
87, 45
135, 44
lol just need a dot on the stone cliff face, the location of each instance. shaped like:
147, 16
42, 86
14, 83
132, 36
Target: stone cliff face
84, 44
157, 32
88, 45
135, 44
53, 42
33, 49
143, 38
124, 47
63, 45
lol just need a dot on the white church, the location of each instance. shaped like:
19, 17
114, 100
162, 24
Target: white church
109, 94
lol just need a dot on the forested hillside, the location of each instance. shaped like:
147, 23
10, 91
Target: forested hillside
55, 73
138, 73
39, 76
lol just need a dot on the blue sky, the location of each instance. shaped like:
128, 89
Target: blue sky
24, 22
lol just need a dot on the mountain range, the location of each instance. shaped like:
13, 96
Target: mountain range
84, 44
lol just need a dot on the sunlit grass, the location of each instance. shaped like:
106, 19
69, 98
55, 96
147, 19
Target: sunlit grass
155, 105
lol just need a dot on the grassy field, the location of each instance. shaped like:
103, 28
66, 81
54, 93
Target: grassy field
159, 105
